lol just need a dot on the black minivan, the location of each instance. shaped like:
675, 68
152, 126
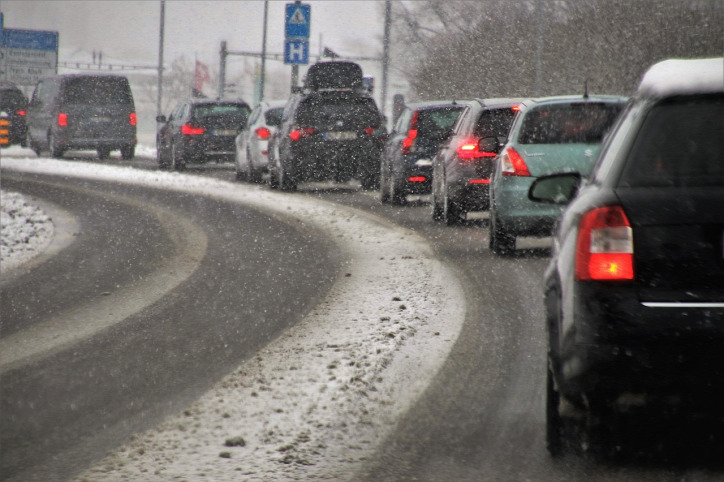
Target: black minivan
83, 112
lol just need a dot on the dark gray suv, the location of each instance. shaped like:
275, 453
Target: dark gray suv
83, 112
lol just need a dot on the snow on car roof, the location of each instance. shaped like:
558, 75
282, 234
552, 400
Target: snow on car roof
683, 76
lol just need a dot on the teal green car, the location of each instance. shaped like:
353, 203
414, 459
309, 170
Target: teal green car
548, 135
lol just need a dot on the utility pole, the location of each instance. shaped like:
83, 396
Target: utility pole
222, 69
263, 52
386, 53
160, 58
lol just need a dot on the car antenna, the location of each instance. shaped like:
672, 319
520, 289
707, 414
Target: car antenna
585, 89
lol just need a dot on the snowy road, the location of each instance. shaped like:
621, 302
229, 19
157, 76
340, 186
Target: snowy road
318, 400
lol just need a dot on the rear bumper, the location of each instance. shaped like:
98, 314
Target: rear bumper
621, 344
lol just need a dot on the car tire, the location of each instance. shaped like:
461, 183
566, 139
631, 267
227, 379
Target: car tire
103, 153
397, 194
177, 163
285, 182
501, 242
384, 185
128, 152
56, 151
451, 211
554, 424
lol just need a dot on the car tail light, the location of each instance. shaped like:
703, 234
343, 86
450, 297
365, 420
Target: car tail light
191, 130
409, 142
21, 112
470, 149
513, 164
62, 119
263, 133
132, 119
301, 132
370, 131
479, 181
604, 250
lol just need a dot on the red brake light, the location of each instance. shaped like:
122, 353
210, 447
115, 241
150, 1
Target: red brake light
470, 149
513, 164
515, 108
132, 119
297, 134
190, 130
417, 179
21, 112
263, 133
370, 131
409, 141
604, 249
62, 119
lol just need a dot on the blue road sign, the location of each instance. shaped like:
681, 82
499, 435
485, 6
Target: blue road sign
296, 52
297, 19
29, 39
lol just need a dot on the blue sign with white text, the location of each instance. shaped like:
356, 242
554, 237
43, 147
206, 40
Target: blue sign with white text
297, 19
30, 39
296, 52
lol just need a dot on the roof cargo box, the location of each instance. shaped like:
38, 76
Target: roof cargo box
334, 75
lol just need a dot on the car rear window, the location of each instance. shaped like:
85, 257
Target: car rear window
12, 99
237, 112
352, 112
680, 143
494, 123
580, 122
433, 122
273, 117
97, 91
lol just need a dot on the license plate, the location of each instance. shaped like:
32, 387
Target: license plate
340, 136
224, 132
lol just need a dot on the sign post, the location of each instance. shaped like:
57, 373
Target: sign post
28, 55
297, 20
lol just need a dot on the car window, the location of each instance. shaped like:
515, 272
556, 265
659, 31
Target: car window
273, 117
581, 122
436, 121
680, 143
494, 123
97, 90
323, 111
12, 99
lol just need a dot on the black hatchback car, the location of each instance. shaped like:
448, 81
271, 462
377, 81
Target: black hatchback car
634, 293
406, 164
329, 132
462, 168
198, 131
14, 104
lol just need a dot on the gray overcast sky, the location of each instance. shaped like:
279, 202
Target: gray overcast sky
128, 30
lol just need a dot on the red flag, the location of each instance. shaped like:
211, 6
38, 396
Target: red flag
201, 76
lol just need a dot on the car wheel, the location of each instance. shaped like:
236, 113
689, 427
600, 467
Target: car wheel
554, 426
501, 242
451, 212
177, 163
128, 152
33, 146
55, 150
285, 182
397, 194
162, 163
251, 174
103, 153
384, 185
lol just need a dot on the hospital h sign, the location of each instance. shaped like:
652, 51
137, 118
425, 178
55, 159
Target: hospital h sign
297, 19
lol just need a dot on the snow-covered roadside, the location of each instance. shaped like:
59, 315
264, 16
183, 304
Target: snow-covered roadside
317, 401
25, 229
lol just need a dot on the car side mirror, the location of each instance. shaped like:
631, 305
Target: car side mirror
558, 188
160, 118
489, 144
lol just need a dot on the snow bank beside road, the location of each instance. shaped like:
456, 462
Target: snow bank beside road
318, 400
25, 229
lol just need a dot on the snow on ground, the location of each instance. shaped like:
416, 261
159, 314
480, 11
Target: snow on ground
25, 229
318, 400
